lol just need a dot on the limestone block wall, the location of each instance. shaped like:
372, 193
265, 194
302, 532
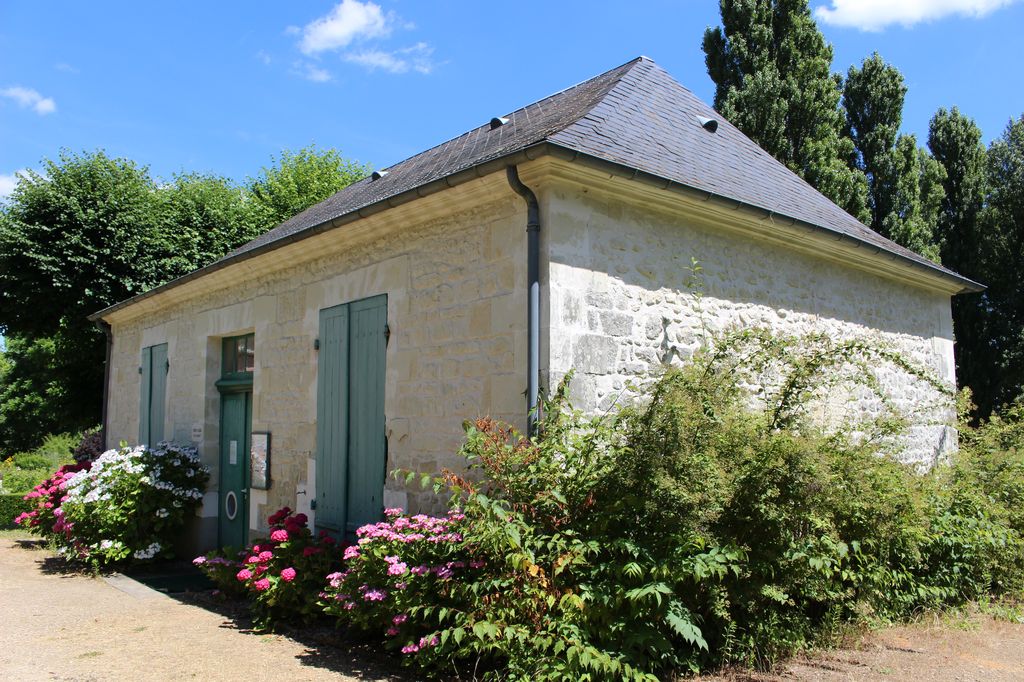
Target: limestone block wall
620, 302
456, 310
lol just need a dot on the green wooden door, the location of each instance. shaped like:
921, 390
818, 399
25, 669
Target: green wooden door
235, 427
352, 455
154, 394
235, 385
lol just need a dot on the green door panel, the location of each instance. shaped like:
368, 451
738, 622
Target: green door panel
351, 450
332, 418
158, 394
366, 468
235, 427
153, 396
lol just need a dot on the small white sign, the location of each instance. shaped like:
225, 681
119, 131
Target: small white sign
233, 452
197, 433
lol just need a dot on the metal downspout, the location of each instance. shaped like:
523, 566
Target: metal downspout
104, 327
533, 296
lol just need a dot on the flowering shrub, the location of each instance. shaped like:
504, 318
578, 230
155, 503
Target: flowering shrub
46, 499
283, 574
397, 567
129, 505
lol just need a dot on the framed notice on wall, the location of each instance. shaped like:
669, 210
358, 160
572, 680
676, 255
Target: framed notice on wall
259, 461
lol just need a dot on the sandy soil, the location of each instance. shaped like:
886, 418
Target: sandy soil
60, 625
56, 625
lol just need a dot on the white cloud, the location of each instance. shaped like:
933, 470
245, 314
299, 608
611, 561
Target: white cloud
415, 58
66, 68
8, 183
349, 21
27, 98
874, 15
264, 56
316, 74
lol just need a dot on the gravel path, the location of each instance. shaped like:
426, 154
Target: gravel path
56, 625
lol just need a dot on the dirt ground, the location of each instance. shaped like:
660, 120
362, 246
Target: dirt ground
60, 625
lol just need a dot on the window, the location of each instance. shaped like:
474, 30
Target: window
239, 356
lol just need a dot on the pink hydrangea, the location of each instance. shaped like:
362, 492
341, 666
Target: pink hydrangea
375, 595
244, 574
266, 555
410, 649
199, 561
288, 574
391, 632
351, 552
279, 535
398, 569
262, 584
400, 618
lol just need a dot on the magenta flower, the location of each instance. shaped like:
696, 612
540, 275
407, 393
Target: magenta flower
262, 584
279, 535
199, 561
351, 552
288, 574
398, 569
266, 555
399, 619
375, 595
244, 574
391, 632
410, 649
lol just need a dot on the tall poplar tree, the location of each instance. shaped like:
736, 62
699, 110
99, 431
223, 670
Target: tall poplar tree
1003, 257
772, 71
955, 141
904, 182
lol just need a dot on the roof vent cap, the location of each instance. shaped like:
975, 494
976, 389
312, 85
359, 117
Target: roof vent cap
498, 121
377, 175
708, 124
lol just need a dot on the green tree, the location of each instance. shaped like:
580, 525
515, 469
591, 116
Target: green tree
299, 180
201, 218
955, 142
1003, 261
772, 71
904, 182
91, 230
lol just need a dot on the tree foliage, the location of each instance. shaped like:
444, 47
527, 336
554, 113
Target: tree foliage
772, 71
300, 179
1003, 256
904, 182
90, 230
955, 141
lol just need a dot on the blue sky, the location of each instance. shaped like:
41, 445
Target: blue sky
222, 86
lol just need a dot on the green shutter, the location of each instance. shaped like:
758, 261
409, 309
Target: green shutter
153, 394
158, 394
366, 468
144, 397
351, 448
332, 418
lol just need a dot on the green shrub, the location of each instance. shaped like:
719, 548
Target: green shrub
30, 460
12, 506
17, 480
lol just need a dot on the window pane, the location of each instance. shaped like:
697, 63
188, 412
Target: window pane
249, 361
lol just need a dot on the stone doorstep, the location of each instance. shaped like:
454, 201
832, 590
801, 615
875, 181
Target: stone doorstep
132, 587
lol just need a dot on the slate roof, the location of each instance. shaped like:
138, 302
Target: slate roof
635, 115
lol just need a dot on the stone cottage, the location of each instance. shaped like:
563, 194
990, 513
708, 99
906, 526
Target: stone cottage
356, 337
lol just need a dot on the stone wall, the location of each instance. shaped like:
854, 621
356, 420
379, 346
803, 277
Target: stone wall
621, 303
456, 310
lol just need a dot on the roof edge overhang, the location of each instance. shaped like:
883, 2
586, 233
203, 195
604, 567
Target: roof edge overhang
954, 282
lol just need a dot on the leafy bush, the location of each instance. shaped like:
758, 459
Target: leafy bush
12, 506
57, 449
18, 480
130, 504
90, 446
282, 575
